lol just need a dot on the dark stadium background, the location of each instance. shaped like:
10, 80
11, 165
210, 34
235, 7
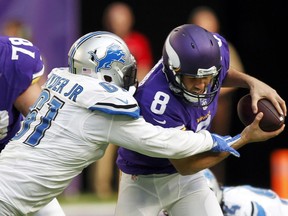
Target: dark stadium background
256, 28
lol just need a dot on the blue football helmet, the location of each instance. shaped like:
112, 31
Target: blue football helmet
103, 55
191, 50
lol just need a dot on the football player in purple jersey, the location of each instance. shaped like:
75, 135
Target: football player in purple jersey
181, 91
21, 67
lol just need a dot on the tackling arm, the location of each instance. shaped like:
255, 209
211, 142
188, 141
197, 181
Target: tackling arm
155, 141
196, 163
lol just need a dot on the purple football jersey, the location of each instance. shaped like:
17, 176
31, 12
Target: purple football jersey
160, 106
20, 63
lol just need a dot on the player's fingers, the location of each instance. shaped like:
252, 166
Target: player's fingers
276, 132
258, 117
254, 105
280, 130
280, 105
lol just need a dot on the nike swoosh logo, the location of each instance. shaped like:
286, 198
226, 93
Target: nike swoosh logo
123, 101
160, 122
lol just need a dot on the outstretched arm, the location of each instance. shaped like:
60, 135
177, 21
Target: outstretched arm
251, 133
155, 141
258, 89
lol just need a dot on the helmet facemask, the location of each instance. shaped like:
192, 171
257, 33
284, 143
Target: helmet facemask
130, 82
197, 100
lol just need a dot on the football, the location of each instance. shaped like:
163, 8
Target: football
271, 120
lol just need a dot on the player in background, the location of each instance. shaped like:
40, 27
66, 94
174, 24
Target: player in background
21, 67
119, 18
80, 110
246, 200
181, 91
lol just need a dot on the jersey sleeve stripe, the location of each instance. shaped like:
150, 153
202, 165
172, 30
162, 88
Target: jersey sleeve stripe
129, 106
37, 75
110, 108
132, 113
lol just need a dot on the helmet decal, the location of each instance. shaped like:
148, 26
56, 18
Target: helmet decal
174, 60
113, 53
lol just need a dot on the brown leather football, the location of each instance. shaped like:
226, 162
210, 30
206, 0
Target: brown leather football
271, 120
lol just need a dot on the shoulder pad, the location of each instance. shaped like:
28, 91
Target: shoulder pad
94, 94
115, 100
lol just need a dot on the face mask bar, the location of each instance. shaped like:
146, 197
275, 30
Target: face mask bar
199, 100
205, 99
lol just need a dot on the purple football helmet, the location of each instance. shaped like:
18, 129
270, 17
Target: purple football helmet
191, 50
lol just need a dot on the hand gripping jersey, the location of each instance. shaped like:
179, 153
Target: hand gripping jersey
20, 64
160, 106
251, 201
68, 128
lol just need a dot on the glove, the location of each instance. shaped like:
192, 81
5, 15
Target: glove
230, 141
223, 143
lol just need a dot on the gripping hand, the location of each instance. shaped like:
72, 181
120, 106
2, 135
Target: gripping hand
223, 143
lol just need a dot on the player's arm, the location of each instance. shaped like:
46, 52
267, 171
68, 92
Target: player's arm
251, 133
27, 98
155, 141
258, 89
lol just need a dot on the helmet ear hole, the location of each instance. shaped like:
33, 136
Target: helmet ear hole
108, 78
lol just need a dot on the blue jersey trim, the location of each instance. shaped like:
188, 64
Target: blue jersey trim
135, 114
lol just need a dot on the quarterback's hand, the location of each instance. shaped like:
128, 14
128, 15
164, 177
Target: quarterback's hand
223, 143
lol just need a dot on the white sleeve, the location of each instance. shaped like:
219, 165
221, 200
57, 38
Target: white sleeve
96, 95
155, 141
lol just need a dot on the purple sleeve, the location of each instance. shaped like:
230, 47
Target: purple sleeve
225, 60
20, 62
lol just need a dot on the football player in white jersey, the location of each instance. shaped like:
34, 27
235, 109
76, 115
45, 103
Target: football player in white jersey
80, 111
246, 200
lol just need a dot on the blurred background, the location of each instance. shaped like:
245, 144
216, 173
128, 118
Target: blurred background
256, 29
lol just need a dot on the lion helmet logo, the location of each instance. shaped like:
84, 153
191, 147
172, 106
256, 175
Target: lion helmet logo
113, 53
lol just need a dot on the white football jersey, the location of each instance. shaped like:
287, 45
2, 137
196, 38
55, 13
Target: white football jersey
69, 127
250, 201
